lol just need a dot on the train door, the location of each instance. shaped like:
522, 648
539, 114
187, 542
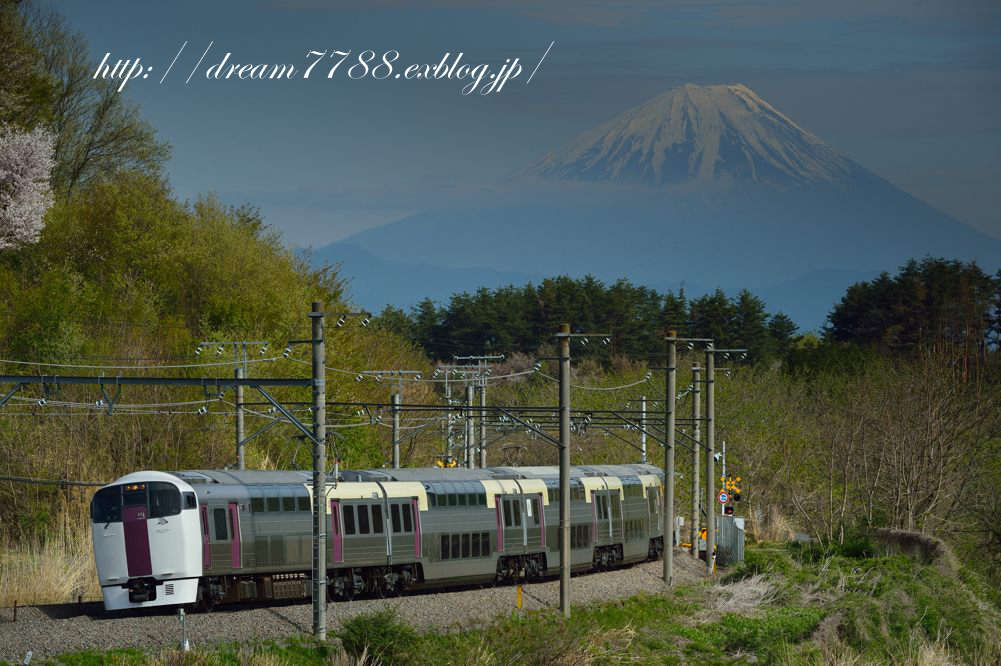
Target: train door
336, 537
534, 524
221, 546
499, 506
653, 505
601, 516
404, 530
206, 540
615, 517
235, 551
514, 526
415, 508
134, 513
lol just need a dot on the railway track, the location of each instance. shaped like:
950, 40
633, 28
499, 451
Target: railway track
54, 629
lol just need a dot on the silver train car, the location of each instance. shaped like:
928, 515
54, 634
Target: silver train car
222, 536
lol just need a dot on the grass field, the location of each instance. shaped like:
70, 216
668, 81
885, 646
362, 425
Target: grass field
782, 606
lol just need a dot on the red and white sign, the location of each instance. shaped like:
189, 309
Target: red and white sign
723, 497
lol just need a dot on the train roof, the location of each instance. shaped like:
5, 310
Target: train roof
419, 474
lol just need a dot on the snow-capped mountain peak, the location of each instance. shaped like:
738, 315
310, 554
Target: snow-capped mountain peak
699, 133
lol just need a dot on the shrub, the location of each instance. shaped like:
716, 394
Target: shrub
380, 635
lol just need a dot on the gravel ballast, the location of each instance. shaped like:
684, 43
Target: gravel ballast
51, 630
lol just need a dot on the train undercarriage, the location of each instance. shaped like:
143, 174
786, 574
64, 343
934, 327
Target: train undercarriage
382, 581
342, 585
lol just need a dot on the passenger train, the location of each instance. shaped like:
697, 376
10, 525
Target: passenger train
223, 536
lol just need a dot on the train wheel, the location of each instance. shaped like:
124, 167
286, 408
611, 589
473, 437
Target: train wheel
206, 602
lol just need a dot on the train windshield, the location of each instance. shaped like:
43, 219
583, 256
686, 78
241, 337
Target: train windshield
160, 498
106, 507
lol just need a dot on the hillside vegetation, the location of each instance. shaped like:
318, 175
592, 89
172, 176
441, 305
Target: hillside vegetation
121, 278
782, 606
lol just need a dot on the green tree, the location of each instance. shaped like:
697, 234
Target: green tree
97, 131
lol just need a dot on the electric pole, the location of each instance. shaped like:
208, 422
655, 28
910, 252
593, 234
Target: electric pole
319, 475
669, 404
395, 400
696, 463
483, 422
396, 429
643, 429
564, 337
470, 430
240, 461
710, 452
482, 370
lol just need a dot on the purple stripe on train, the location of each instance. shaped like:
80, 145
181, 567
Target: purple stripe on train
137, 554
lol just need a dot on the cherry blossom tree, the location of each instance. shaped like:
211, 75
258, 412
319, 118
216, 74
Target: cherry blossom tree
25, 195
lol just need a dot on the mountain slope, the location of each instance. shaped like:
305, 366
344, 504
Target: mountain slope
707, 185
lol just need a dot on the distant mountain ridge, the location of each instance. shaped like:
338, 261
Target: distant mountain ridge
706, 185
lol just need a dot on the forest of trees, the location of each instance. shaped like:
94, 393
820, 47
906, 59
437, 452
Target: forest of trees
932, 303
525, 318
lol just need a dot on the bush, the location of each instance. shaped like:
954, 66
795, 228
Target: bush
380, 635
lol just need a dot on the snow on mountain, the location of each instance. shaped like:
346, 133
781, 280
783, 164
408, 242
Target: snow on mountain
702, 133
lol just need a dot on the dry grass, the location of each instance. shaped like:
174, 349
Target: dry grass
771, 526
53, 571
743, 596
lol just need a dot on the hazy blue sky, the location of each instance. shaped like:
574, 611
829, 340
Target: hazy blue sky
909, 89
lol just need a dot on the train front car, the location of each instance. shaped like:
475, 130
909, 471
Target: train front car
146, 541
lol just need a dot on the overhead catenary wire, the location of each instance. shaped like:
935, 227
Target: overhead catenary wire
178, 366
599, 388
50, 482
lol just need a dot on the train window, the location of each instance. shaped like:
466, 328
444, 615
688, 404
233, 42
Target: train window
472, 499
257, 505
288, 504
349, 520
483, 499
273, 504
333, 519
164, 499
476, 545
455, 546
535, 513
303, 503
444, 546
106, 507
189, 500
221, 527
376, 519
517, 513
408, 519
507, 513
485, 543
462, 499
363, 519
432, 499
465, 545
135, 497
453, 499
395, 510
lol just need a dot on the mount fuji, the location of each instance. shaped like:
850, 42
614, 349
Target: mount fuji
702, 186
